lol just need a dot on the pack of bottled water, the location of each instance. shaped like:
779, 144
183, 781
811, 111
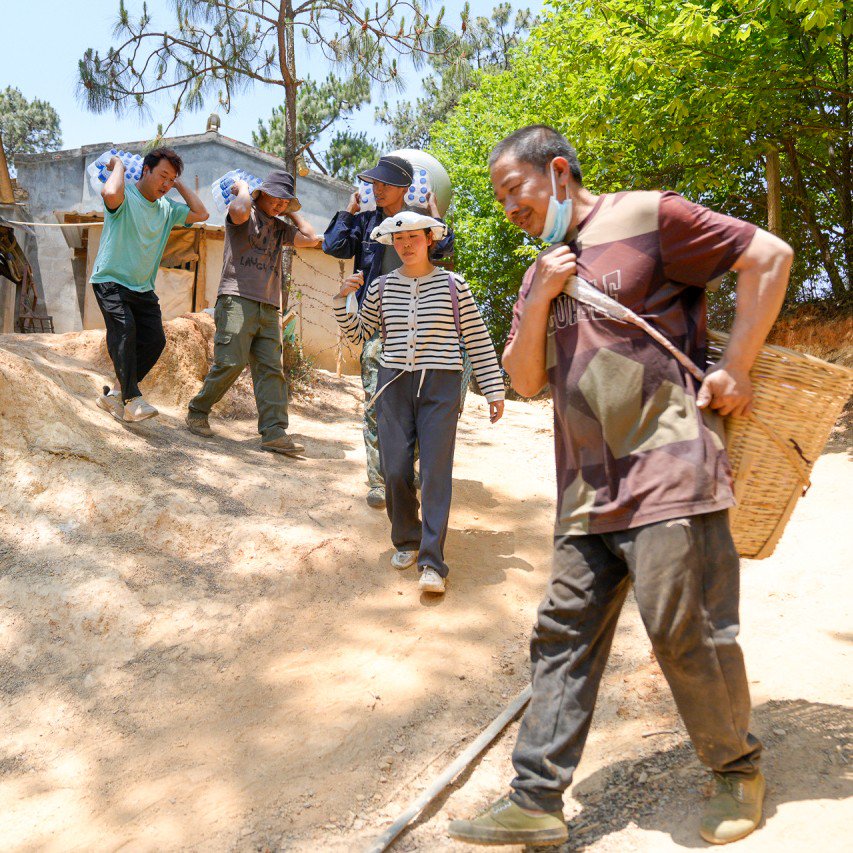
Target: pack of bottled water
416, 195
220, 189
366, 199
98, 171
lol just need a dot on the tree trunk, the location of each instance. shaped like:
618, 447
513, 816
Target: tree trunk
774, 193
287, 63
7, 196
801, 192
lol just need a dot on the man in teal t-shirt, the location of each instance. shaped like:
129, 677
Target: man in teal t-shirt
138, 219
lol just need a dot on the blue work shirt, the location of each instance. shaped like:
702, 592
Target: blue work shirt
348, 236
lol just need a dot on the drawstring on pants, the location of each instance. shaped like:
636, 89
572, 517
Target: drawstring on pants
379, 392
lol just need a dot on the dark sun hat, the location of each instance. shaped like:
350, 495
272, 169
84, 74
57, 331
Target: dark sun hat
279, 184
391, 170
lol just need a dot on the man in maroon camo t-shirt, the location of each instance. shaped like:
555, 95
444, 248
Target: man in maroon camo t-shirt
644, 484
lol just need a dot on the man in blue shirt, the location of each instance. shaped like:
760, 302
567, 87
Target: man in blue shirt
348, 236
138, 219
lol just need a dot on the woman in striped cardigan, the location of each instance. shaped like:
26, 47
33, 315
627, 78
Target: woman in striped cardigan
424, 314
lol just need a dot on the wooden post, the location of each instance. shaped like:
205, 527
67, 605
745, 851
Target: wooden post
340, 353
7, 195
299, 314
774, 192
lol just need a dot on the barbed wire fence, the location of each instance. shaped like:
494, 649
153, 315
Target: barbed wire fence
307, 294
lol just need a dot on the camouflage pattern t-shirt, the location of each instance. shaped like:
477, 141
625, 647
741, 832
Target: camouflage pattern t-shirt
631, 445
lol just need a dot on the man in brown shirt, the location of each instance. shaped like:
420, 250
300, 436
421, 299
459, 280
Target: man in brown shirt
643, 480
248, 320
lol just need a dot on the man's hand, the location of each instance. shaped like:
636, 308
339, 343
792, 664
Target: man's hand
354, 205
496, 410
114, 163
351, 283
235, 188
727, 390
554, 267
432, 206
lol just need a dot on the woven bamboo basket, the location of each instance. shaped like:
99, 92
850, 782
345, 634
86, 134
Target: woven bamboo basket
798, 399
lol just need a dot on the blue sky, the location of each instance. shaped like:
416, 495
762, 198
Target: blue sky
41, 61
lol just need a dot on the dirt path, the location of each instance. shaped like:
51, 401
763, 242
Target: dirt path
204, 647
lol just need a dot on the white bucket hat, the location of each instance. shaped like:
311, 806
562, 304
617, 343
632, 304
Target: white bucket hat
407, 220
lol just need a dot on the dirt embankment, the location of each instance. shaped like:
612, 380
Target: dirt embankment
203, 646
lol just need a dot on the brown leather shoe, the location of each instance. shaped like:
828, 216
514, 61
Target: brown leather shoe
197, 423
283, 444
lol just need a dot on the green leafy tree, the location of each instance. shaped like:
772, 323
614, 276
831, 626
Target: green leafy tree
318, 107
697, 97
220, 47
485, 46
350, 153
27, 127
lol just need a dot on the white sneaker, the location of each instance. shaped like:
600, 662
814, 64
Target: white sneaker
138, 409
110, 401
404, 559
431, 581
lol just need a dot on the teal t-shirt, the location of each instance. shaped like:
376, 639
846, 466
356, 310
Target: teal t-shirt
134, 238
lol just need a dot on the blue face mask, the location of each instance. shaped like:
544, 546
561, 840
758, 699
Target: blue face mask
559, 215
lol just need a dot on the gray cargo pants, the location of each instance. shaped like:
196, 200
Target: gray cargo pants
427, 412
685, 573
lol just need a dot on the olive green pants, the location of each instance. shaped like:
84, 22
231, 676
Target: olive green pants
247, 332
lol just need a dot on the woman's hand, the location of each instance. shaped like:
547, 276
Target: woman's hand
351, 283
496, 410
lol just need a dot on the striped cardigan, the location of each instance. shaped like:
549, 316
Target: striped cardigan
420, 330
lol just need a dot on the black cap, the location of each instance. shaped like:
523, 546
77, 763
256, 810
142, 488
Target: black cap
391, 170
279, 184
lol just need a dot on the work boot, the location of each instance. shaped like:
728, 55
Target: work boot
283, 444
503, 822
735, 808
138, 409
110, 401
197, 423
376, 497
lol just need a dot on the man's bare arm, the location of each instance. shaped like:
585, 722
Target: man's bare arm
763, 271
198, 212
306, 237
524, 356
113, 190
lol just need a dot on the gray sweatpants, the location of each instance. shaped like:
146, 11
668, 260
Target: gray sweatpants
427, 412
686, 580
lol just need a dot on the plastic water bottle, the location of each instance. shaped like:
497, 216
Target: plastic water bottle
220, 189
98, 171
366, 199
416, 195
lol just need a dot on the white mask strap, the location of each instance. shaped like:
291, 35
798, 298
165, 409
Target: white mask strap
553, 180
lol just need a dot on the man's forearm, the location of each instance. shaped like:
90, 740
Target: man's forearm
304, 227
524, 356
113, 191
193, 201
